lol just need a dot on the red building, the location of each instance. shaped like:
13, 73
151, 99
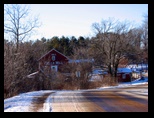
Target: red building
51, 61
124, 74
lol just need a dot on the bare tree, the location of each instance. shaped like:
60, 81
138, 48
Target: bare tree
144, 29
16, 68
79, 68
112, 43
18, 22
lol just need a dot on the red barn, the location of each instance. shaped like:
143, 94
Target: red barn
51, 61
124, 74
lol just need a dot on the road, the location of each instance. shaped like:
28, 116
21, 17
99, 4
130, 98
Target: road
124, 99
128, 99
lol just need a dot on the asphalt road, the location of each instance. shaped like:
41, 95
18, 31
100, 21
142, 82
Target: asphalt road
126, 99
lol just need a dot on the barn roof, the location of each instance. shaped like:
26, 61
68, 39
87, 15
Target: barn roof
124, 70
50, 51
81, 60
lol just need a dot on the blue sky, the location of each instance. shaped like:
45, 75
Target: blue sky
77, 19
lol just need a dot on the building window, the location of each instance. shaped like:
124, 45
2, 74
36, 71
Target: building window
54, 68
123, 76
53, 57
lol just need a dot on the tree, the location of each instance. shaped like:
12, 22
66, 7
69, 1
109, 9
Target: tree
73, 44
112, 43
18, 23
144, 29
16, 68
53, 43
64, 45
81, 41
79, 67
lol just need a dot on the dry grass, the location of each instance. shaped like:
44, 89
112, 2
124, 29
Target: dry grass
106, 81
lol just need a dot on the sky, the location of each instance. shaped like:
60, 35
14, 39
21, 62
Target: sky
22, 102
77, 19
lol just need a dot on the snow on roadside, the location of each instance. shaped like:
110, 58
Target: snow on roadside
23, 102
47, 106
19, 103
127, 84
